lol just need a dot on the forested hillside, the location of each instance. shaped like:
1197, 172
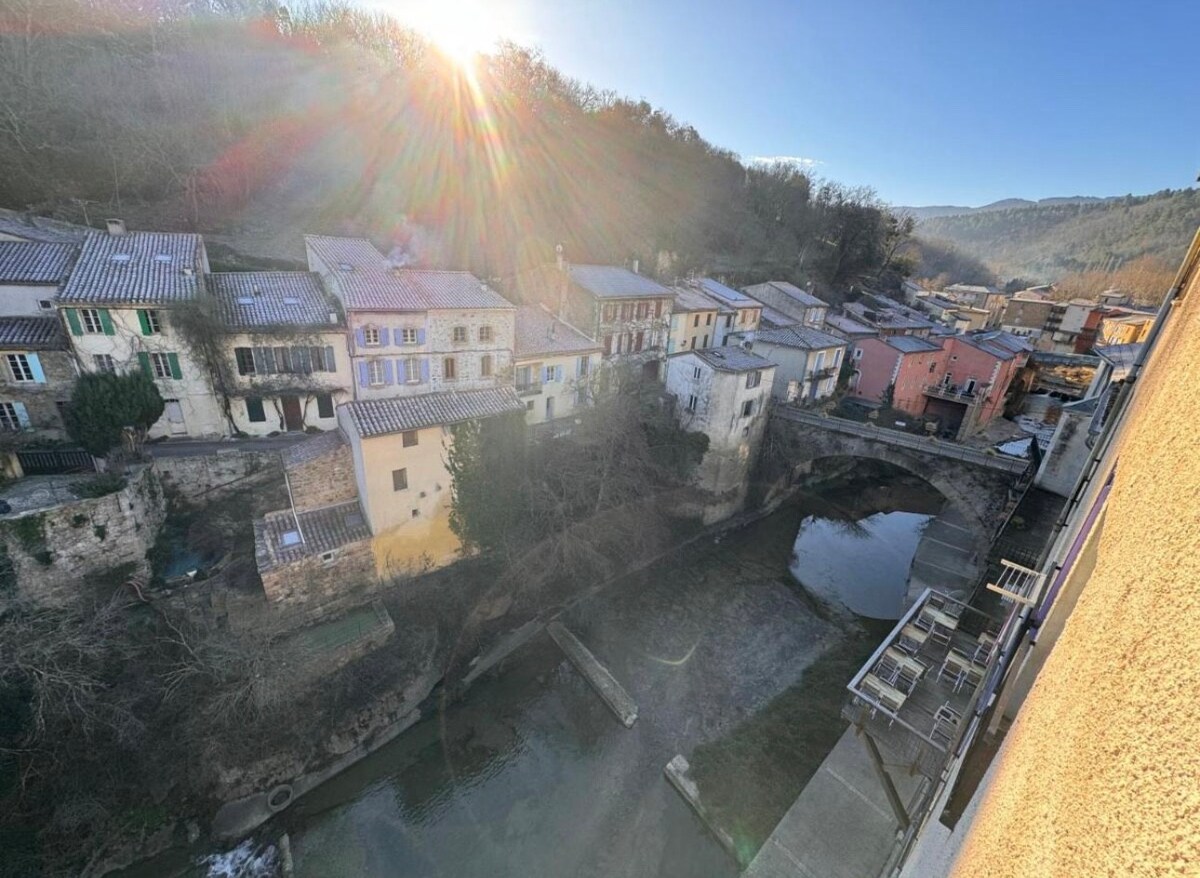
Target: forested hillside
255, 128
1051, 241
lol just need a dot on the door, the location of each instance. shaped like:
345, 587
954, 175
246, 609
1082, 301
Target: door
174, 412
549, 408
293, 416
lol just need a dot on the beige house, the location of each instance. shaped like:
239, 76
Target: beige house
789, 299
399, 447
695, 320
287, 365
739, 312
555, 365
413, 331
117, 306
808, 361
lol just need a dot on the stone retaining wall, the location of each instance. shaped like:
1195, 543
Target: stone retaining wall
207, 477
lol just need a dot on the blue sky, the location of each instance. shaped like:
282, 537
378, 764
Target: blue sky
928, 102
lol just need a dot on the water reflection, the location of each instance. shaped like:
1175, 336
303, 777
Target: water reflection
861, 564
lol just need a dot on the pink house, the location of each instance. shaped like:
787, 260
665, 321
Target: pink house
905, 363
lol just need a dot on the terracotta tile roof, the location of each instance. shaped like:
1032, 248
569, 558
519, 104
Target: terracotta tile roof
803, 337
312, 449
272, 299
29, 262
380, 417
539, 333
151, 268
367, 281
281, 538
32, 334
733, 358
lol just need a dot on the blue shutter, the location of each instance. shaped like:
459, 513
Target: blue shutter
360, 338
420, 336
558, 373
364, 375
22, 415
383, 336
547, 374
35, 366
389, 372
424, 367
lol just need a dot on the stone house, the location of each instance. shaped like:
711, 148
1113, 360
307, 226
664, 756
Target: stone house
808, 361
988, 298
400, 447
413, 331
287, 365
900, 365
739, 312
555, 365
36, 379
1029, 315
627, 313
723, 393
117, 306
695, 320
789, 299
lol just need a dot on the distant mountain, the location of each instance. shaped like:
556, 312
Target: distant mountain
938, 211
1048, 239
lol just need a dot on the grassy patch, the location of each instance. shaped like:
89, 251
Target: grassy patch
101, 486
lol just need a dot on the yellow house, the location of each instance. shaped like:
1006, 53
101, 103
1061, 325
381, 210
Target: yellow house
739, 312
695, 320
400, 448
555, 365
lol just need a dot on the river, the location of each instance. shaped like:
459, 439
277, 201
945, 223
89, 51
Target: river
732, 665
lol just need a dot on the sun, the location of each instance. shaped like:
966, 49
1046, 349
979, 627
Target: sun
461, 29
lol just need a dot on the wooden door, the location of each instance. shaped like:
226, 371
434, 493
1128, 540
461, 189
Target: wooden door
293, 415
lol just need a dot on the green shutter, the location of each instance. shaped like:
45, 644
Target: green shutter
106, 322
173, 359
144, 359
73, 322
144, 321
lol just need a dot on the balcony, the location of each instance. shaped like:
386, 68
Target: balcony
954, 393
531, 388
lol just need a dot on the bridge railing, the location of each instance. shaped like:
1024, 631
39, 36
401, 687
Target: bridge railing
924, 444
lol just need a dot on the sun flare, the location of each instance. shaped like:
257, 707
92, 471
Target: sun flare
461, 29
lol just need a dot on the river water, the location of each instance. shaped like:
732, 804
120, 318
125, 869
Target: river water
733, 665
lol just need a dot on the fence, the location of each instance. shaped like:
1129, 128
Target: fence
52, 462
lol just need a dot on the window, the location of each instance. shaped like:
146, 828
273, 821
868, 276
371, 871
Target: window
408, 336
643, 310
151, 323
18, 364
857, 355
747, 408
328, 557
8, 417
529, 406
460, 334
160, 365
728, 321
820, 364
932, 367
91, 320
375, 373
449, 368
408, 438
608, 347
412, 370
45, 304
289, 538
705, 341
400, 480
255, 413
641, 336
371, 336
104, 363
658, 306
708, 322
610, 312
696, 372
837, 358
324, 405
582, 369
695, 321
485, 333
485, 365
626, 311
754, 379
692, 403
245, 361
692, 343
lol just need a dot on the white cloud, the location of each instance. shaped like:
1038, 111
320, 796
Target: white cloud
803, 161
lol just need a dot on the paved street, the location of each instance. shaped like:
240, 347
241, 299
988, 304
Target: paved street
193, 448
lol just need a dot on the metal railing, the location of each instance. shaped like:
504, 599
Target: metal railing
924, 444
952, 393
530, 389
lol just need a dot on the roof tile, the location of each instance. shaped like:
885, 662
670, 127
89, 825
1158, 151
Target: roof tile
540, 333
272, 299
32, 333
138, 268
29, 262
380, 417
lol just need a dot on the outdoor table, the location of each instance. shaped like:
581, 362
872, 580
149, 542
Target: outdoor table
887, 695
914, 634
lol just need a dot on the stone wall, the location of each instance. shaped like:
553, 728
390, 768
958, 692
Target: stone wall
314, 587
205, 478
53, 551
324, 481
40, 399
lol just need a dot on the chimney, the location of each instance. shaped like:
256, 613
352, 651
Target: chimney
333, 318
636, 264
558, 255
116, 227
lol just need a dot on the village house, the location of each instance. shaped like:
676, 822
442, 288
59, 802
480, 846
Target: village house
117, 304
555, 365
971, 384
790, 300
722, 392
895, 369
695, 320
845, 326
1121, 326
807, 361
886, 317
399, 447
287, 362
414, 331
1030, 314
627, 313
739, 312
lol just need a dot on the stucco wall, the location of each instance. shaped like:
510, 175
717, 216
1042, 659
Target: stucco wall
24, 298
563, 392
1100, 773
694, 329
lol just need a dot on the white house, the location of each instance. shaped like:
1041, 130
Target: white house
555, 365
808, 361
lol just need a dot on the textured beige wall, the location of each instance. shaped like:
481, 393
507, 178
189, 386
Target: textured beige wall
1100, 774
